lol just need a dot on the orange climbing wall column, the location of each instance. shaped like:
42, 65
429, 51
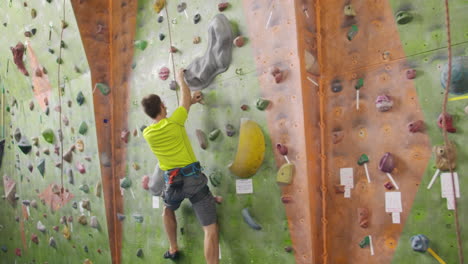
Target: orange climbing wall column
293, 119
107, 29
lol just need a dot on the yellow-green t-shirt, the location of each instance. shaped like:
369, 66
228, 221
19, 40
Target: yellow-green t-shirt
169, 141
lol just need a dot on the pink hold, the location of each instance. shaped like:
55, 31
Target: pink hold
18, 252
239, 41
410, 74
124, 135
34, 238
416, 126
164, 73
448, 123
145, 182
277, 74
282, 149
81, 168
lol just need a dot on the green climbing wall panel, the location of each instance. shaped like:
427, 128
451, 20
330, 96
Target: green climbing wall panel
16, 18
425, 43
223, 99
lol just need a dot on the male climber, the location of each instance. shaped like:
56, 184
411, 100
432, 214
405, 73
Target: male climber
168, 140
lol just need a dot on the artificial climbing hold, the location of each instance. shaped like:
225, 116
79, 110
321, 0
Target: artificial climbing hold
459, 80
34, 239
40, 226
387, 163
93, 222
239, 41
159, 5
363, 217
55, 189
201, 72
120, 217
55, 228
244, 107
349, 11
80, 167
403, 17
18, 252
353, 30
125, 182
141, 44
104, 88
71, 179
31, 105
336, 86
419, 243
75, 205
196, 40
230, 130
448, 123
18, 52
34, 204
82, 220
173, 85
124, 135
35, 141
79, 145
389, 186
223, 6
416, 126
145, 182
196, 18
135, 166
17, 134
181, 7
164, 73
160, 19
41, 167
383, 103
262, 104
80, 99
250, 150
282, 149
97, 189
139, 253
48, 135
214, 134
87, 261
83, 128
86, 204
277, 74
66, 233
410, 74
24, 145
138, 218
161, 36
446, 156
52, 242
68, 156
33, 13
201, 136
4, 249
84, 188
285, 173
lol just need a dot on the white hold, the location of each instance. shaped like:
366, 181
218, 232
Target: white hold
41, 227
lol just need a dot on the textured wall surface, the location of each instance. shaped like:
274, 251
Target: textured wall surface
75, 77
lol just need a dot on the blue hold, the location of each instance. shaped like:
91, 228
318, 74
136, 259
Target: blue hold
419, 243
4, 249
459, 82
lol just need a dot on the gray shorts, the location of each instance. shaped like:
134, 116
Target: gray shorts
196, 190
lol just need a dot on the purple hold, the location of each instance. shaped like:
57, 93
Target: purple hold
387, 163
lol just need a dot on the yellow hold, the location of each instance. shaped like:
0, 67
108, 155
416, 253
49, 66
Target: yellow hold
250, 150
66, 233
159, 5
87, 261
285, 173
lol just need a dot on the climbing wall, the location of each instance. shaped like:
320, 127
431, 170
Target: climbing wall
223, 100
33, 226
367, 50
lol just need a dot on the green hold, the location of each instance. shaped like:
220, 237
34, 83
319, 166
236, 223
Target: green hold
105, 90
403, 17
41, 167
59, 60
262, 104
84, 188
125, 183
83, 128
352, 32
359, 84
141, 44
48, 135
363, 159
80, 98
214, 134
365, 242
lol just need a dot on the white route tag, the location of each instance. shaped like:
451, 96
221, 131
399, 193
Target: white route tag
244, 186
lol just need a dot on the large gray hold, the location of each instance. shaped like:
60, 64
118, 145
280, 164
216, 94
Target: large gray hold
459, 78
201, 72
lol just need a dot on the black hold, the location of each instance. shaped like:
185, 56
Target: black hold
24, 145
230, 130
143, 127
403, 17
75, 205
5, 24
336, 86
120, 217
196, 18
34, 31
160, 19
41, 167
49, 1
161, 36
80, 98
139, 253
47, 111
181, 7
63, 44
51, 51
85, 248
17, 135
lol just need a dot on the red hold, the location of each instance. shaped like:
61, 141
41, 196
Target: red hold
164, 73
286, 199
282, 149
416, 126
145, 182
448, 123
173, 49
244, 107
410, 74
277, 74
239, 41
124, 135
388, 186
18, 52
34, 239
18, 252
223, 6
